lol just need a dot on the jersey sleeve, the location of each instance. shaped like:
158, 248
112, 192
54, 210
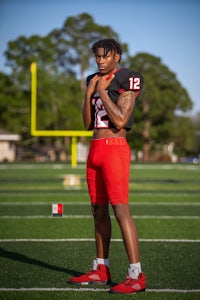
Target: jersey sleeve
130, 81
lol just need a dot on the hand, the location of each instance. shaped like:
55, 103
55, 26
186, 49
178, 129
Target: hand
104, 82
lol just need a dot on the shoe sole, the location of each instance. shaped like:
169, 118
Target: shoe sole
114, 292
92, 282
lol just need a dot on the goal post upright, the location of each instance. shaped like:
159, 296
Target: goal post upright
33, 69
35, 132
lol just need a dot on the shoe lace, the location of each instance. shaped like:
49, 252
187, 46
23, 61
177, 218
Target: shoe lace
128, 281
91, 272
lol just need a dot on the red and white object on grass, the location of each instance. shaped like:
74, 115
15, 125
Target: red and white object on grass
57, 210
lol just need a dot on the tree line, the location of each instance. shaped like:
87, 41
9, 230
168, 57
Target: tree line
64, 59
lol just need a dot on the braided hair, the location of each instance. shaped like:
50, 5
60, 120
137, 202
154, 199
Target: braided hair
108, 45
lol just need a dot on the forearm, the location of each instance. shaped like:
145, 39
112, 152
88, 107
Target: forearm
88, 116
87, 113
114, 112
120, 112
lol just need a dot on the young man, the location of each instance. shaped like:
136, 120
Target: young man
108, 109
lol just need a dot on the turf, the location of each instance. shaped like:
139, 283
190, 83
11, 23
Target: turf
39, 253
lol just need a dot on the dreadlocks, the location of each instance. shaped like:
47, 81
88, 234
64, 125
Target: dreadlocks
108, 45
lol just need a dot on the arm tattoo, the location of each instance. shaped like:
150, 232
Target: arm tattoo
123, 109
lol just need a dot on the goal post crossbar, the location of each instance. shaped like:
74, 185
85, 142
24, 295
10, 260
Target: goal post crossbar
69, 133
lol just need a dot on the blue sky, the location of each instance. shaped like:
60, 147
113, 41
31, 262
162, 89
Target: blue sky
166, 29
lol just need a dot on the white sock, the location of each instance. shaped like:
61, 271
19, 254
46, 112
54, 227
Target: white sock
134, 270
94, 265
102, 261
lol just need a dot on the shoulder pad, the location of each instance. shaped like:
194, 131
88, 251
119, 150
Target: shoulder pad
90, 77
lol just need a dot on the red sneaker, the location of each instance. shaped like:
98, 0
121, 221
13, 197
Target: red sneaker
130, 285
99, 276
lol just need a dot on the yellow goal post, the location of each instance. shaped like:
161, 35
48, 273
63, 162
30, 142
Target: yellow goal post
35, 132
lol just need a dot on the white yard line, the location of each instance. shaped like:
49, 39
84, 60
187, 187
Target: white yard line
90, 290
85, 192
67, 168
29, 195
27, 203
90, 216
47, 217
92, 240
45, 194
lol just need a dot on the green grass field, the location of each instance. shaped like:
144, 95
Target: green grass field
39, 253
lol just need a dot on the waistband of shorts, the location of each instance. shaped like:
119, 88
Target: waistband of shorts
110, 141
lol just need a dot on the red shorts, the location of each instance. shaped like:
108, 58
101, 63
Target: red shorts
108, 171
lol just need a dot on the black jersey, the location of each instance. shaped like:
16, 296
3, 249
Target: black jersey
124, 80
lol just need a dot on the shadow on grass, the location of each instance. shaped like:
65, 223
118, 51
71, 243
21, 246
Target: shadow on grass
31, 261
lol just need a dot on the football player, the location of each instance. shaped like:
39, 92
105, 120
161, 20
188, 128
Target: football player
108, 109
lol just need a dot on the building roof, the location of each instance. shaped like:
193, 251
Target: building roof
8, 136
